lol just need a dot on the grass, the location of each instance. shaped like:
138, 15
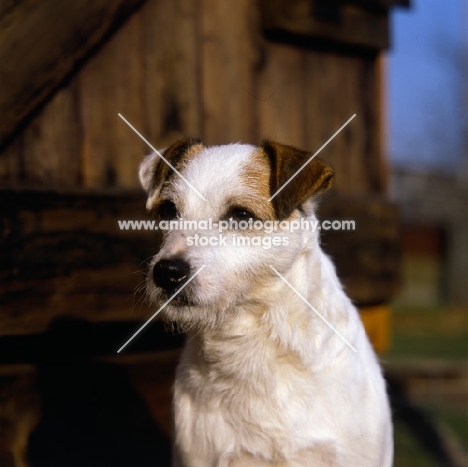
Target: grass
429, 333
430, 346
453, 417
408, 453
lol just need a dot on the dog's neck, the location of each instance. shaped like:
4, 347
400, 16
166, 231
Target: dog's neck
295, 332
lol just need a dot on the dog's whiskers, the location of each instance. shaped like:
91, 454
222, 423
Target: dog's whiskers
140, 291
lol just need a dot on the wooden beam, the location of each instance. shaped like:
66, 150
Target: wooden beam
45, 41
367, 257
62, 254
326, 23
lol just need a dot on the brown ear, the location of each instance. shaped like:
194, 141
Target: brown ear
285, 161
154, 170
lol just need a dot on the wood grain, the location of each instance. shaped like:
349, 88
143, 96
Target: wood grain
323, 98
281, 87
52, 143
367, 258
172, 67
43, 42
62, 254
339, 86
111, 83
227, 57
11, 163
338, 24
173, 70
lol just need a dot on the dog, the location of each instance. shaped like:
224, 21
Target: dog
264, 378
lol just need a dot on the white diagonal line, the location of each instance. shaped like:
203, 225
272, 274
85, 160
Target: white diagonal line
162, 308
312, 308
271, 197
162, 157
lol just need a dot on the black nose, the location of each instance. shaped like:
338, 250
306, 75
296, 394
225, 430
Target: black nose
170, 274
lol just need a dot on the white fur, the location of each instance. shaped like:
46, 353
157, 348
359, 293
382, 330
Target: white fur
263, 381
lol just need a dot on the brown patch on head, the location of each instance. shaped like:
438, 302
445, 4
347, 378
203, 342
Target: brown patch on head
176, 155
256, 178
285, 161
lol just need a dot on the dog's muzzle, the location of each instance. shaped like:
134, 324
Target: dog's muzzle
171, 274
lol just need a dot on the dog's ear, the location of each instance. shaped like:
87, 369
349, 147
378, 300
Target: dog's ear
146, 169
154, 170
285, 161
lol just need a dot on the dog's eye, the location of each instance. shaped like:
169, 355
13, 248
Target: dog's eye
167, 211
240, 214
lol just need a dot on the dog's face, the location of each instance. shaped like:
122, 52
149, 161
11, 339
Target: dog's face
210, 190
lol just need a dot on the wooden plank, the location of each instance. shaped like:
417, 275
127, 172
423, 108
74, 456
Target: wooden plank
321, 107
227, 57
111, 83
62, 254
326, 23
52, 143
328, 107
188, 66
352, 173
43, 42
97, 164
280, 91
338, 87
163, 121
11, 167
172, 70
367, 258
372, 126
383, 121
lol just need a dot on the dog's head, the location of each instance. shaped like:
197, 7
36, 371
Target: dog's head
224, 206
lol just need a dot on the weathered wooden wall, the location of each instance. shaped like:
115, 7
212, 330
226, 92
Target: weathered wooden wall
62, 254
202, 67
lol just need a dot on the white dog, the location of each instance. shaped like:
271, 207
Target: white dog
265, 379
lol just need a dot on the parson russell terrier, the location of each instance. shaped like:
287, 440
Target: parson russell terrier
263, 380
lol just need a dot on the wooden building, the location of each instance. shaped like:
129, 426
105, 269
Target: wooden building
293, 71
